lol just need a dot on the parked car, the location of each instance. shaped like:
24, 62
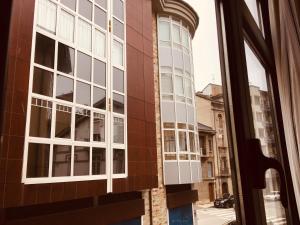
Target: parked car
227, 201
273, 196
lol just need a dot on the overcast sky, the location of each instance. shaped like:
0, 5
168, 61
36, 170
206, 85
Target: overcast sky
206, 53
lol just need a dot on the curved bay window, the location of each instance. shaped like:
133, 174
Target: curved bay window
179, 129
76, 123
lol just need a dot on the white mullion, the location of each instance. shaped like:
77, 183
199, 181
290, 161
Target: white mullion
43, 67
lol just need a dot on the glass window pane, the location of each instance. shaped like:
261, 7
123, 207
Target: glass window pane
83, 93
98, 161
118, 103
100, 18
169, 141
118, 78
185, 39
69, 3
42, 82
66, 26
46, 15
164, 31
99, 73
99, 101
119, 161
178, 59
176, 34
82, 125
117, 53
118, 28
84, 35
85, 9
100, 44
188, 88
81, 161
102, 3
179, 88
64, 88
182, 141
192, 142
84, 66
63, 121
118, 10
44, 50
165, 57
61, 165
265, 132
38, 160
99, 127
66, 59
40, 120
118, 130
166, 83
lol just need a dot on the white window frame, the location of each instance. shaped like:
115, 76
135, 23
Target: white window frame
108, 145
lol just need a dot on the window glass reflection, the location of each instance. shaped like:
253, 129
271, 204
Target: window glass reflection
38, 160
169, 141
84, 35
99, 44
82, 125
118, 78
42, 82
164, 31
81, 161
63, 121
192, 142
85, 9
40, 120
83, 93
119, 161
98, 161
99, 127
182, 141
118, 103
61, 161
69, 3
99, 101
118, 28
64, 88
102, 3
44, 51
118, 130
84, 66
100, 17
65, 59
99, 73
118, 9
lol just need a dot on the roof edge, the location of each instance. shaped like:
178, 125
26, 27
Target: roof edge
180, 9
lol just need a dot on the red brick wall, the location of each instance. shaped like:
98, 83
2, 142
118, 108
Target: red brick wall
141, 119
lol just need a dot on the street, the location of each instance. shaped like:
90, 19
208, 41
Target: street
215, 216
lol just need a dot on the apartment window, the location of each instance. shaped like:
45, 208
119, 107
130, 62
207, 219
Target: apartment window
177, 91
71, 87
257, 100
220, 121
261, 132
209, 169
210, 144
259, 116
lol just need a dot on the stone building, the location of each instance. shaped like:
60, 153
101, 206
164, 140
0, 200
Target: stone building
213, 141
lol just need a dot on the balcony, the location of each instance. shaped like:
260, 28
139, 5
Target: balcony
225, 172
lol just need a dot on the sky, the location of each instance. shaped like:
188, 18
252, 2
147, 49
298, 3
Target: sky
206, 52
205, 45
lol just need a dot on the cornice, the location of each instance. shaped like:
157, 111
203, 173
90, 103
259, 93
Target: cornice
179, 9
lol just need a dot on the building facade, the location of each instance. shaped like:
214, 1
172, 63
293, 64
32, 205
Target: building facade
213, 140
100, 122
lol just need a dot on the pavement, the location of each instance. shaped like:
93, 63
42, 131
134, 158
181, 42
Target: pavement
208, 215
